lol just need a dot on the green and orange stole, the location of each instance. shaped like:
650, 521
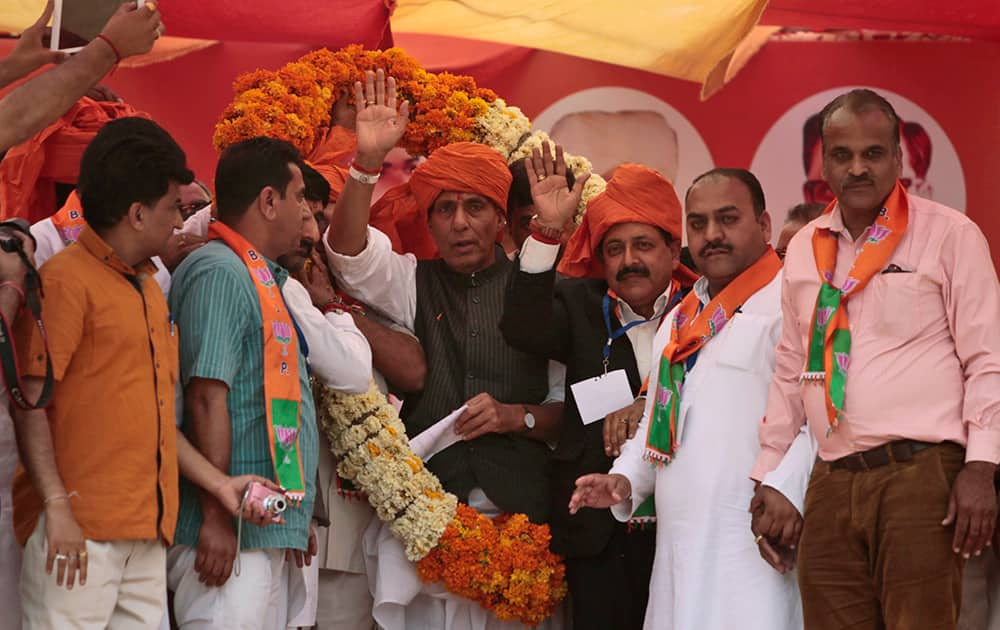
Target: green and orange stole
69, 220
282, 391
829, 351
691, 330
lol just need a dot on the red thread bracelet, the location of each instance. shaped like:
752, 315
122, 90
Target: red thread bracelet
366, 171
114, 49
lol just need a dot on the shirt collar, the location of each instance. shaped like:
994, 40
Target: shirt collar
628, 315
99, 248
700, 289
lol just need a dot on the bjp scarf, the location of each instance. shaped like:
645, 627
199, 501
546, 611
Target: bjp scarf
829, 352
691, 330
282, 392
69, 220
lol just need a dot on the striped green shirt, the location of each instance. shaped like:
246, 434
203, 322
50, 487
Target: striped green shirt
215, 306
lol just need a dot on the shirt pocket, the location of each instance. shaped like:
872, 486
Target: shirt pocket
896, 310
745, 340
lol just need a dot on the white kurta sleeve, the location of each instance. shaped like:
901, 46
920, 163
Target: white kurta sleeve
379, 277
47, 241
339, 354
791, 477
557, 383
538, 257
641, 474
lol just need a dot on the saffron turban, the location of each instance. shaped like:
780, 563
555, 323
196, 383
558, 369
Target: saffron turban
635, 194
464, 167
30, 170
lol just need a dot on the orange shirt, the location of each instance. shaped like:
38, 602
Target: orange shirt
112, 415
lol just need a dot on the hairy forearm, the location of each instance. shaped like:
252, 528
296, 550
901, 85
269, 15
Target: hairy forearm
34, 443
210, 432
398, 357
348, 231
30, 107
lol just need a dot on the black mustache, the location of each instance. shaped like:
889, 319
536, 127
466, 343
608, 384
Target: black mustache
711, 246
633, 270
307, 243
853, 181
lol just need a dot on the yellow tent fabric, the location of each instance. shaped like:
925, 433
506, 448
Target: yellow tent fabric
17, 15
687, 39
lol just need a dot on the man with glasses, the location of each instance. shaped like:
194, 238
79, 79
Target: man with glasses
194, 197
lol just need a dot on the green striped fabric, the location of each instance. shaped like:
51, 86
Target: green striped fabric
215, 306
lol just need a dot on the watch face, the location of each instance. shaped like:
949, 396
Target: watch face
529, 420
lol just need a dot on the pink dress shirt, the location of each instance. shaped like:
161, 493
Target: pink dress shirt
925, 353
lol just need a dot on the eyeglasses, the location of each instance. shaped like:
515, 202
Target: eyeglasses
187, 209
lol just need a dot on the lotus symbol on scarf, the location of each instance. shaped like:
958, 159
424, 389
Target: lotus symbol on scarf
265, 277
843, 360
878, 233
663, 396
717, 320
283, 335
823, 315
71, 234
286, 436
849, 285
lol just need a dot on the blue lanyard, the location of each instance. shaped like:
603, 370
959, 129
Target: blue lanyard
615, 334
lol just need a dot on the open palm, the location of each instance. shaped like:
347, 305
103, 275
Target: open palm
555, 202
379, 124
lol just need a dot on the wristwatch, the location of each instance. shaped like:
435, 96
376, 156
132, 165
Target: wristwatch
529, 420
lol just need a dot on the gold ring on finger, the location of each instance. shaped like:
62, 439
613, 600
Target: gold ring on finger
623, 421
759, 538
541, 178
83, 555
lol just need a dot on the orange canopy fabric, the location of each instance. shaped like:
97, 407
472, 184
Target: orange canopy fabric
635, 194
460, 167
29, 171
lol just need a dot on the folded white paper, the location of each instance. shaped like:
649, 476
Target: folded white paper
438, 437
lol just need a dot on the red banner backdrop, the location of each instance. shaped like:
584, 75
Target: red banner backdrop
943, 91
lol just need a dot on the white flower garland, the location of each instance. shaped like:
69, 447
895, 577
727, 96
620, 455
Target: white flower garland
370, 442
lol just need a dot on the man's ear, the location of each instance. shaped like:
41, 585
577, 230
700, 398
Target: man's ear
765, 225
136, 216
267, 200
675, 251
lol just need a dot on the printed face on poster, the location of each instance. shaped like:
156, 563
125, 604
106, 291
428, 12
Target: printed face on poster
612, 125
788, 160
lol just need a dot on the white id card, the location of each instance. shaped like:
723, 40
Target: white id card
597, 397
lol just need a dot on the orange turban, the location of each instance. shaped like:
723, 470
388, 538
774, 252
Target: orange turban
635, 194
460, 167
30, 170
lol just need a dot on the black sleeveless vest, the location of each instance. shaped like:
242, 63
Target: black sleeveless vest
457, 322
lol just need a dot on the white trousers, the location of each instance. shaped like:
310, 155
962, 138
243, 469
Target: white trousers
256, 599
124, 589
345, 603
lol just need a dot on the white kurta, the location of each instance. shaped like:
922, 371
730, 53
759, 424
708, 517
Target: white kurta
708, 574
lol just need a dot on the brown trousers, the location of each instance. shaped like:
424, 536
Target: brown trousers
873, 554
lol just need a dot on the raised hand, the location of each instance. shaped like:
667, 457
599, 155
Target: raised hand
134, 30
380, 124
555, 202
30, 53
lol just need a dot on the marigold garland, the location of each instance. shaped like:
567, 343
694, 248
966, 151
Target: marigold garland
295, 103
504, 564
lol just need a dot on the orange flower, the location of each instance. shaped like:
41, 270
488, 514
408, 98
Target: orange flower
445, 107
503, 564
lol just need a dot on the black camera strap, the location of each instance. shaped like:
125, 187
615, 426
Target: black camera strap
8, 351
